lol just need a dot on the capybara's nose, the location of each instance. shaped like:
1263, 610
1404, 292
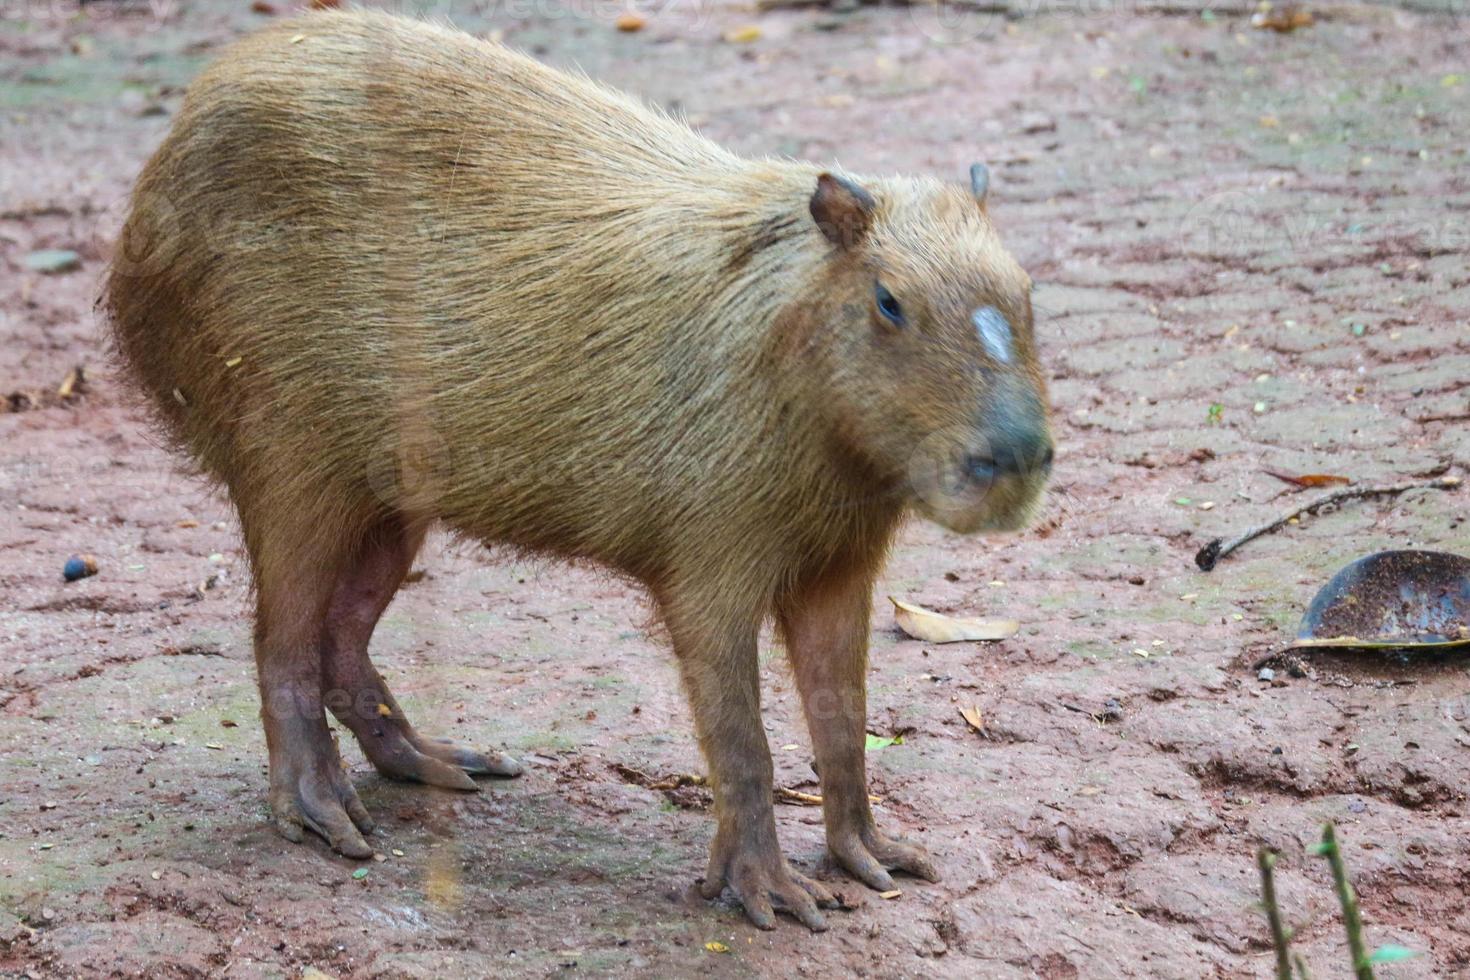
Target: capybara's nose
1021, 457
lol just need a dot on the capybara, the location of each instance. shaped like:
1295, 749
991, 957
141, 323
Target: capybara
382, 275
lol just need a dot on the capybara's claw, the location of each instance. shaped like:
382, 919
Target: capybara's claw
472, 761
333, 813
868, 855
765, 887
407, 763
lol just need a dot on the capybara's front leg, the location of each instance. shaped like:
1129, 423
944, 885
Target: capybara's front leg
825, 626
718, 659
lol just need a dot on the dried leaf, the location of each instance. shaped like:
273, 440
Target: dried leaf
1310, 479
72, 383
263, 7
925, 624
715, 947
743, 35
1282, 20
629, 21
973, 719
890, 894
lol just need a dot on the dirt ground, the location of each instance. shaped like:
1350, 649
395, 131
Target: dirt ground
1274, 224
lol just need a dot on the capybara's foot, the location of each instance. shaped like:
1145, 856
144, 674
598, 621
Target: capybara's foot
867, 855
472, 761
406, 755
312, 792
765, 884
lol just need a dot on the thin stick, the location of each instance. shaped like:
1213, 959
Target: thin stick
1302, 973
1266, 860
1351, 920
1211, 554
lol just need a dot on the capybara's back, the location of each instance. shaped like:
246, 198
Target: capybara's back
382, 275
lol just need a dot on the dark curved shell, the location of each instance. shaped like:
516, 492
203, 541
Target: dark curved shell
1392, 599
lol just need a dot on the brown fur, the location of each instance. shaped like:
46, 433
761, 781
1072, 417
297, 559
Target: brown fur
382, 275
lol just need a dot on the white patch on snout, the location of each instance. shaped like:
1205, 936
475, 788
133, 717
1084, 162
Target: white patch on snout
995, 333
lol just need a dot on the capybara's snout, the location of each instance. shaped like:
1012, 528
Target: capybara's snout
1014, 440
987, 475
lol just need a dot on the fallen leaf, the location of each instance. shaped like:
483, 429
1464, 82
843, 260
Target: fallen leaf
875, 742
973, 719
715, 947
227, 723
72, 383
360, 874
1282, 20
925, 624
262, 7
890, 894
1310, 479
325, 4
629, 21
743, 35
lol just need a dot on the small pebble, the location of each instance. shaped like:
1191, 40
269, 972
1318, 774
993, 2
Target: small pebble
53, 261
1266, 674
79, 567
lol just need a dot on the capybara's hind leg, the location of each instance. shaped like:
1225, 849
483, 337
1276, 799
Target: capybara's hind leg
309, 790
356, 692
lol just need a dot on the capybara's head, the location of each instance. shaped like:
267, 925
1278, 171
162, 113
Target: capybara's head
928, 349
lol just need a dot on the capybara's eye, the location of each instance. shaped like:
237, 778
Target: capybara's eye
889, 307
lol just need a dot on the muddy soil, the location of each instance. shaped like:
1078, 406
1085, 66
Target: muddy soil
1251, 251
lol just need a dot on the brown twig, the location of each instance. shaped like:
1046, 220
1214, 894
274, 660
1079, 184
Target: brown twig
664, 784
1211, 554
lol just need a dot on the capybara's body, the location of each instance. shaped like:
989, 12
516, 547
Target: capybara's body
382, 275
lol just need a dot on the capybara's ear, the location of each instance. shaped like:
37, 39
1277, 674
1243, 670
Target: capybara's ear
842, 209
979, 182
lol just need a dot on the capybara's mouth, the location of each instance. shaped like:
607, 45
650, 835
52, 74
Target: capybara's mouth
972, 503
